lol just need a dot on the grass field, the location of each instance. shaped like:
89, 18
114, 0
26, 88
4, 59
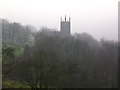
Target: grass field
19, 51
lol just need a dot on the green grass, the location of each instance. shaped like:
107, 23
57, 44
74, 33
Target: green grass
19, 51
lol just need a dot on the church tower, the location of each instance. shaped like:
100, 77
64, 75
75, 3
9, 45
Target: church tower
65, 26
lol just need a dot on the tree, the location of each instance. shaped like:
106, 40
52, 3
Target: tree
8, 61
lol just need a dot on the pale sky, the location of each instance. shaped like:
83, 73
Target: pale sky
96, 17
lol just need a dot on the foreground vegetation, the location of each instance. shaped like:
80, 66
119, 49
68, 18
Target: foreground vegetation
55, 61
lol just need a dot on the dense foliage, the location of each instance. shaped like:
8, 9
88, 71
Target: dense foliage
56, 61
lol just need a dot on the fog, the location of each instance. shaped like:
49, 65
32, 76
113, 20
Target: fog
96, 17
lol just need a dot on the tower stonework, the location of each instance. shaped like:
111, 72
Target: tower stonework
65, 26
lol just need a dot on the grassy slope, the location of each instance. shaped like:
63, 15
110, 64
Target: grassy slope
19, 51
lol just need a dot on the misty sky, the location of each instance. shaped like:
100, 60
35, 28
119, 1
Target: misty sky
96, 17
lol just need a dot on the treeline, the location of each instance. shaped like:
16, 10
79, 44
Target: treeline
56, 61
15, 33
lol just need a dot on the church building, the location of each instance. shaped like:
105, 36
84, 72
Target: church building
65, 26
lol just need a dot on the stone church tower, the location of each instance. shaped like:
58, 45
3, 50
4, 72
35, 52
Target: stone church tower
65, 26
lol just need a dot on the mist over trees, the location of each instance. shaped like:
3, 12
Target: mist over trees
15, 33
56, 61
